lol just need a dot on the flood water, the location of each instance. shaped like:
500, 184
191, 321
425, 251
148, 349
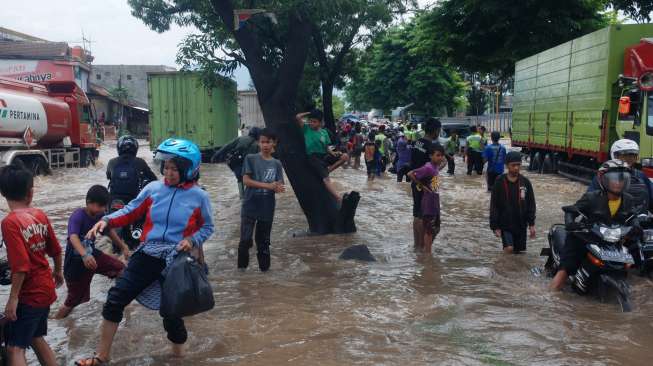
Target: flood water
466, 304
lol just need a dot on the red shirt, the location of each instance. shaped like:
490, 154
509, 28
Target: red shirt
28, 235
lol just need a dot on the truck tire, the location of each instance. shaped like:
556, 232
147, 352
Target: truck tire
86, 158
548, 164
536, 162
39, 166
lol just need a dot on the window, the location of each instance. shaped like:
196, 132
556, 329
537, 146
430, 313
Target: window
129, 77
106, 73
98, 76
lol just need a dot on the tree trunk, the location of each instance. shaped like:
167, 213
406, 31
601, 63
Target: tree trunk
317, 203
327, 106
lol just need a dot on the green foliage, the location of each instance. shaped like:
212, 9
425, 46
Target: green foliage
338, 105
637, 10
120, 93
399, 69
488, 36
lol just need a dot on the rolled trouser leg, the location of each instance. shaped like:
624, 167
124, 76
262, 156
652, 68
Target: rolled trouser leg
176, 330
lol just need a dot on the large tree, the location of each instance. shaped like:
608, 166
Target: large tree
274, 50
638, 10
489, 36
396, 71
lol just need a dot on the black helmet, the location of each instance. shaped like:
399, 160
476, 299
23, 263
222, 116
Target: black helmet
127, 145
495, 136
254, 132
614, 176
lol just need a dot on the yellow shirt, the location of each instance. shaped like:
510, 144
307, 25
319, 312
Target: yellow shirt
614, 206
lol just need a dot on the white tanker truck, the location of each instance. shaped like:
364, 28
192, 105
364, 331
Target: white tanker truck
45, 126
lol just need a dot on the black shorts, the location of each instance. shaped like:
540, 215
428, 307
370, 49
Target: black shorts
514, 239
320, 163
417, 200
32, 323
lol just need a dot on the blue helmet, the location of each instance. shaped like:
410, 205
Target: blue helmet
184, 152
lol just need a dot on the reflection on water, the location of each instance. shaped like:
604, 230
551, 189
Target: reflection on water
467, 304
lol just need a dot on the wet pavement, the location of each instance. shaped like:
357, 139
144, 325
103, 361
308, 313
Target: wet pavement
466, 304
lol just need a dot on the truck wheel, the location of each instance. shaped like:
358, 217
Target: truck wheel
548, 164
536, 162
39, 166
86, 158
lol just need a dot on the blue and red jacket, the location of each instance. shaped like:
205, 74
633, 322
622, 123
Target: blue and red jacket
172, 213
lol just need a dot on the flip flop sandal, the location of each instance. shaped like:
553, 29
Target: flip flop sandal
93, 361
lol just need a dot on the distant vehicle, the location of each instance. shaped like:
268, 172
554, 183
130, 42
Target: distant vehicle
46, 126
462, 129
249, 111
572, 101
375, 114
180, 106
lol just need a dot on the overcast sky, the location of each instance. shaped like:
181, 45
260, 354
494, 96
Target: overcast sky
116, 36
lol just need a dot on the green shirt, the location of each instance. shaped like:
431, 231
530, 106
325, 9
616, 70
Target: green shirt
316, 141
474, 142
452, 146
380, 137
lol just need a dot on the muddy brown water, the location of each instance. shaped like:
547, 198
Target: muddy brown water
466, 304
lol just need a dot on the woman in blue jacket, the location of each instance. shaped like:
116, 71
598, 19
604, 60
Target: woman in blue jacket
178, 218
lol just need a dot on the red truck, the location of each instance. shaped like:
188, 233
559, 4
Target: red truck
46, 125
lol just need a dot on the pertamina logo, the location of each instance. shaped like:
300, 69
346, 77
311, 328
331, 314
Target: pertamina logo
17, 114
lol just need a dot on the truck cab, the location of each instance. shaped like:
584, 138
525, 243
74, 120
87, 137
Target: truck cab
634, 118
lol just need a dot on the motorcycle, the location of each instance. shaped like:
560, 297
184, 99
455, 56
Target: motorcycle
604, 269
644, 260
132, 233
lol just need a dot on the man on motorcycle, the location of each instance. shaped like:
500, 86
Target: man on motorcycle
608, 205
234, 154
640, 186
127, 175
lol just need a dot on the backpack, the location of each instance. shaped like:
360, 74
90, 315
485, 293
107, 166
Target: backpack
125, 179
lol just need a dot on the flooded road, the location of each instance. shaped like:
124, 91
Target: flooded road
466, 304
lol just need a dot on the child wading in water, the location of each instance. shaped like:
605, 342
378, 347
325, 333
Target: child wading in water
427, 179
263, 177
371, 158
83, 261
30, 239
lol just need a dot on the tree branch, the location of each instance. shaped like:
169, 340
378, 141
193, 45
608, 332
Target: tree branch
261, 71
295, 54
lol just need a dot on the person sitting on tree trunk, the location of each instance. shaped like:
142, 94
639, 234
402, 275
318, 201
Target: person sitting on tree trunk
322, 159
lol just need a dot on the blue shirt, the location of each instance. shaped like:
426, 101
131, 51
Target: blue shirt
495, 154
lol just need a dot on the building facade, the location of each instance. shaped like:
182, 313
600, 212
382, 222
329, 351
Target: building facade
133, 78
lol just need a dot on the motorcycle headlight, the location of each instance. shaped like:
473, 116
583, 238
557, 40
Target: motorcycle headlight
610, 235
647, 236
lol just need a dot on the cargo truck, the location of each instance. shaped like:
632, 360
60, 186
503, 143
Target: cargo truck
249, 111
45, 126
181, 106
573, 100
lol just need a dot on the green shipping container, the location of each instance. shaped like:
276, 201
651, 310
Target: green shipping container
180, 106
565, 97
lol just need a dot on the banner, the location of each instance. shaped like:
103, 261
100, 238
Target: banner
241, 16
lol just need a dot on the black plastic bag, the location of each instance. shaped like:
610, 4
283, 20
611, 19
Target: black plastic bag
186, 290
